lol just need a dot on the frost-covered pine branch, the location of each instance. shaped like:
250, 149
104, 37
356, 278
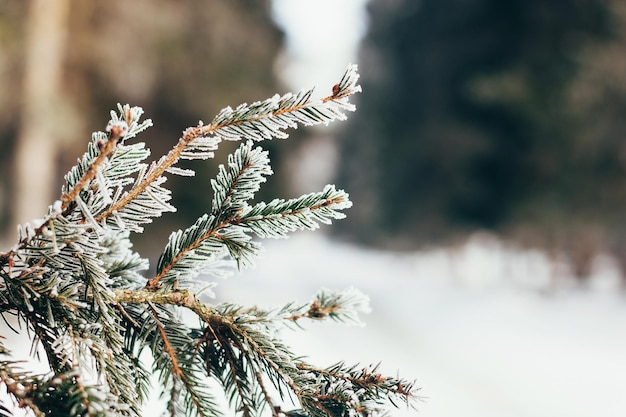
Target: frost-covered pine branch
74, 283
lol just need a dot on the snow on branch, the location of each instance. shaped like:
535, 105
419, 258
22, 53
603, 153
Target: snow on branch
268, 119
75, 284
258, 121
236, 184
279, 217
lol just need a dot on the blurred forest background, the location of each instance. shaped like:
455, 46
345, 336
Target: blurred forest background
506, 117
489, 115
66, 63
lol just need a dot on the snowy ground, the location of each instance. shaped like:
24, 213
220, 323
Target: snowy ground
474, 327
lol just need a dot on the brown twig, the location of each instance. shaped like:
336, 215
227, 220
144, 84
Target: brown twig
166, 343
315, 312
189, 135
20, 392
106, 149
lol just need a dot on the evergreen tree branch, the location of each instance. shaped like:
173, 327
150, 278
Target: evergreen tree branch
166, 343
108, 157
75, 281
117, 132
180, 372
258, 121
62, 394
153, 177
187, 253
368, 381
342, 306
17, 384
238, 182
279, 217
275, 409
228, 329
119, 128
84, 396
230, 368
267, 355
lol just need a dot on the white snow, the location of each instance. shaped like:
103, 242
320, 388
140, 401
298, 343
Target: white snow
322, 36
477, 327
486, 331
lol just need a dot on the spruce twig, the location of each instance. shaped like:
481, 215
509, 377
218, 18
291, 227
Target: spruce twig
74, 281
117, 132
267, 119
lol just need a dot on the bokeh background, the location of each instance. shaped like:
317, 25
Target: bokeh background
486, 163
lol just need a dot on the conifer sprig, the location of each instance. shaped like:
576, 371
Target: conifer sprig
205, 244
259, 121
280, 217
75, 283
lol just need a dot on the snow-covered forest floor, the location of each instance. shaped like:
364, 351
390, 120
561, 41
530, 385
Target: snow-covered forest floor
486, 331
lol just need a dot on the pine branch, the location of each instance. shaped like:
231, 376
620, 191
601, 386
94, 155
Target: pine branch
62, 394
75, 283
342, 306
106, 148
263, 352
204, 244
228, 331
179, 372
279, 217
107, 164
189, 253
237, 183
119, 128
258, 121
17, 384
368, 382
231, 367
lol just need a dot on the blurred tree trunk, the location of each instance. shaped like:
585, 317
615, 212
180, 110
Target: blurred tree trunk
36, 151
66, 63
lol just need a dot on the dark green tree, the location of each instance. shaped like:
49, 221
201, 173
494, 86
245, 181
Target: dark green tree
468, 121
